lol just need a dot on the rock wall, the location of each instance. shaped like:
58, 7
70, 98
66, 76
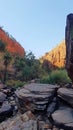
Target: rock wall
56, 56
69, 45
12, 45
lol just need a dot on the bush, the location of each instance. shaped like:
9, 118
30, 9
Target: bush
15, 83
57, 77
45, 79
2, 45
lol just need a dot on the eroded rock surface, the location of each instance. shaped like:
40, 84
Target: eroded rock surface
66, 95
5, 111
2, 97
8, 107
69, 45
64, 116
35, 96
44, 107
21, 122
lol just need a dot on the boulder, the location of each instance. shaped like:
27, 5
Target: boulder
69, 45
66, 95
5, 111
35, 96
52, 107
8, 91
63, 117
2, 97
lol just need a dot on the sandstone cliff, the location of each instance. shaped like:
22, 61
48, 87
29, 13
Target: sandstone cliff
69, 45
12, 45
56, 56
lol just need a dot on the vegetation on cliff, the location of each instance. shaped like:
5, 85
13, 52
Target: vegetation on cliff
11, 44
16, 68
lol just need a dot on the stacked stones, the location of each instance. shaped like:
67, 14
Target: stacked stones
31, 99
8, 105
35, 96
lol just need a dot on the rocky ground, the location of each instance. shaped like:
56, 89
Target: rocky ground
36, 107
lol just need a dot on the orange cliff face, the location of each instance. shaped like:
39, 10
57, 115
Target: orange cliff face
56, 56
11, 44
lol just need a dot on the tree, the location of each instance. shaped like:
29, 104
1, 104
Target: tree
19, 63
7, 59
29, 58
46, 66
2, 45
28, 68
26, 73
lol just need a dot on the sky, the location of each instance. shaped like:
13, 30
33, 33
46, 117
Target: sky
38, 25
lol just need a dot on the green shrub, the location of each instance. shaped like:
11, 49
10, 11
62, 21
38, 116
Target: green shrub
45, 79
2, 45
57, 77
19, 84
15, 83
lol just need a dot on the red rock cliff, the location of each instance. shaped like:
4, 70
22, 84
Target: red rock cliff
12, 45
56, 56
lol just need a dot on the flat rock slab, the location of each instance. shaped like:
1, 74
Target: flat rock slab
63, 116
35, 96
40, 88
66, 95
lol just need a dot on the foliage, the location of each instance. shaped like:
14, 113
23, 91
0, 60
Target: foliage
45, 80
7, 59
30, 56
19, 63
26, 73
56, 77
2, 46
46, 66
15, 83
27, 68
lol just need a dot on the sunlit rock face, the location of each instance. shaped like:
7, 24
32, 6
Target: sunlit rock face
69, 45
11, 44
56, 57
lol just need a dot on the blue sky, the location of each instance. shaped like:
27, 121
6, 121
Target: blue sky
38, 25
